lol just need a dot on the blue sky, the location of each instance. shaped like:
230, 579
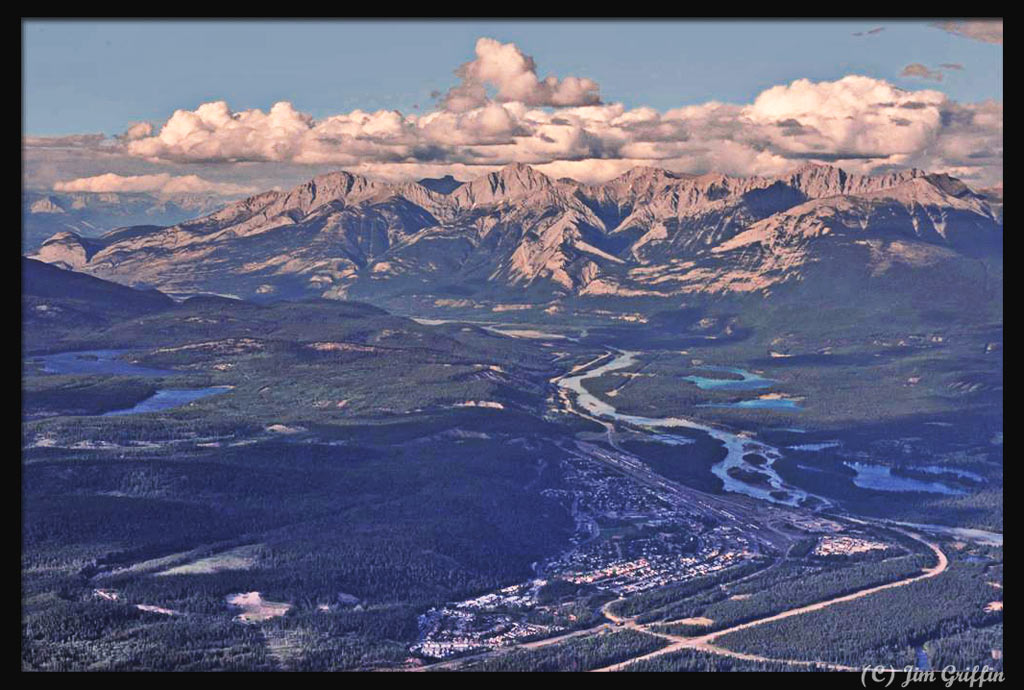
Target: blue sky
220, 106
99, 76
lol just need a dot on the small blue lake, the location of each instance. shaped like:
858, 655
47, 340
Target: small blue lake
97, 362
881, 478
110, 363
749, 382
168, 398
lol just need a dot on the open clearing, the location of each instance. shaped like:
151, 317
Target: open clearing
697, 620
255, 608
242, 558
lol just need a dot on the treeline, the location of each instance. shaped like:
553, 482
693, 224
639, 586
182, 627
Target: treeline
779, 596
114, 636
688, 660
783, 586
967, 649
580, 654
401, 528
82, 395
689, 464
882, 628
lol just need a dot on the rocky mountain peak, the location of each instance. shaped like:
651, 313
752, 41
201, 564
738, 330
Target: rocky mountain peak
341, 186
338, 186
516, 176
642, 179
819, 181
647, 172
647, 232
515, 180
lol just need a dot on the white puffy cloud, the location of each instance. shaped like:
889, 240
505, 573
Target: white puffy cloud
859, 122
505, 68
852, 117
863, 122
139, 130
987, 30
163, 184
213, 132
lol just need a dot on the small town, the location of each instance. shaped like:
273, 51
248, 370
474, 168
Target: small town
654, 542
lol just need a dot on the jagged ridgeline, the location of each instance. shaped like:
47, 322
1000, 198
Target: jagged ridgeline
89, 213
647, 234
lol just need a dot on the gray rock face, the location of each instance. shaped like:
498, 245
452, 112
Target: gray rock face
647, 233
441, 185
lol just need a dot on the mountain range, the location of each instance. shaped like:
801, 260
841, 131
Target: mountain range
93, 213
517, 233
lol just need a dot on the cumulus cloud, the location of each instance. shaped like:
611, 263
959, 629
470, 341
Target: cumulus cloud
987, 30
916, 69
139, 130
163, 184
505, 68
861, 123
213, 132
854, 116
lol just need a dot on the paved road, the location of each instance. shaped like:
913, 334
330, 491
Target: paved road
704, 643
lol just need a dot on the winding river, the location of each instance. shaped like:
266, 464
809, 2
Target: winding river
773, 488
